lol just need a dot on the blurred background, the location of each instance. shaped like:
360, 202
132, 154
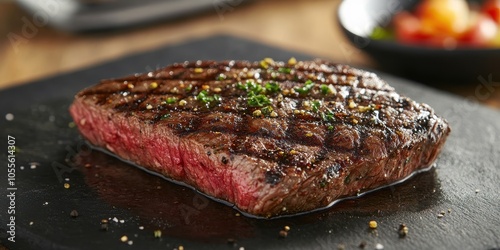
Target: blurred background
43, 38
302, 25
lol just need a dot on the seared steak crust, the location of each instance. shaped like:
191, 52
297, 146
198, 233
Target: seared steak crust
273, 138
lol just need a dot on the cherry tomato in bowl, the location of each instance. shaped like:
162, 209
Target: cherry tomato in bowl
492, 9
481, 33
423, 54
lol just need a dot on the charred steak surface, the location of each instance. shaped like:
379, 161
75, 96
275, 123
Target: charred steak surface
272, 138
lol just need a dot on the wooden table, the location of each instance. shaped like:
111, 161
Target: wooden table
302, 25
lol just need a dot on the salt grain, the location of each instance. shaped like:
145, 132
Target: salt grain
9, 117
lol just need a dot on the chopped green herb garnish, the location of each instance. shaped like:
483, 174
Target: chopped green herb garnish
330, 127
251, 86
171, 100
241, 86
327, 116
306, 88
255, 96
325, 89
205, 98
316, 105
259, 100
254, 87
284, 70
272, 87
188, 88
217, 98
165, 116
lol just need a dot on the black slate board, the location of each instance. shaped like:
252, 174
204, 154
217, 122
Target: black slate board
465, 180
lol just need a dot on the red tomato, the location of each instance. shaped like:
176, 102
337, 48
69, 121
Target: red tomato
407, 27
409, 30
481, 33
492, 9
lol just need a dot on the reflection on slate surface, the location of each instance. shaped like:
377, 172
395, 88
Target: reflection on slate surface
176, 210
183, 212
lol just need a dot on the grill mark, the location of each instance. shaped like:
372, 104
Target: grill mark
293, 130
142, 96
285, 161
274, 156
359, 79
103, 100
132, 106
242, 133
236, 95
364, 118
299, 82
289, 119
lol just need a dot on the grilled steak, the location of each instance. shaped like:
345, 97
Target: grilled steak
273, 138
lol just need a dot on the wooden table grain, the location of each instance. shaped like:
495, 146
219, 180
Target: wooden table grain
307, 26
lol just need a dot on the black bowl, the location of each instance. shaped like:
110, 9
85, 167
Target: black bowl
357, 19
